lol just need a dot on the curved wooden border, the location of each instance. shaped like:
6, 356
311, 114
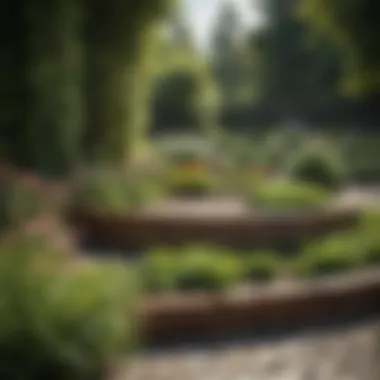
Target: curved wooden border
139, 231
273, 306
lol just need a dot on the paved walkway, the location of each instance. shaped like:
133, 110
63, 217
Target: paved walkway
351, 354
369, 196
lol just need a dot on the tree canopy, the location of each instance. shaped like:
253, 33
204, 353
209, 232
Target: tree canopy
354, 26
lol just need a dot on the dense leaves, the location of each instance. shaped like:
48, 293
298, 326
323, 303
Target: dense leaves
354, 26
47, 328
293, 69
75, 77
229, 59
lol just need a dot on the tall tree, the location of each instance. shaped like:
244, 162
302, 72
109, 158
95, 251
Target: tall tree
293, 69
40, 83
354, 26
184, 89
228, 55
42, 49
119, 37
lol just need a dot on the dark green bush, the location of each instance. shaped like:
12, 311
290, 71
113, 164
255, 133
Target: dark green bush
319, 167
158, 270
192, 268
367, 234
204, 269
58, 321
372, 253
332, 255
261, 266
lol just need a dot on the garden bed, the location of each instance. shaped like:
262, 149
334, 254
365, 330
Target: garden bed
279, 305
235, 227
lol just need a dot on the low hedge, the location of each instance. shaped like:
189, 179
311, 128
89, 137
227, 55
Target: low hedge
262, 266
368, 235
193, 268
283, 195
352, 249
328, 256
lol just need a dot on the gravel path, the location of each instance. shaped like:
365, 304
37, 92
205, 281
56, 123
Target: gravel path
350, 354
356, 196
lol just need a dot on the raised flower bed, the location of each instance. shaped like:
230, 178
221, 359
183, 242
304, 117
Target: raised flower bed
281, 305
140, 230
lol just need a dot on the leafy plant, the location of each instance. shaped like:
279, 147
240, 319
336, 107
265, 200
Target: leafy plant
331, 255
205, 269
158, 270
372, 252
319, 167
192, 268
58, 321
261, 266
287, 195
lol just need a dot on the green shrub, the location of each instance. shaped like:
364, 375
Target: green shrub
261, 266
115, 192
319, 167
370, 246
370, 221
188, 182
193, 268
287, 195
57, 321
158, 270
372, 252
331, 255
204, 269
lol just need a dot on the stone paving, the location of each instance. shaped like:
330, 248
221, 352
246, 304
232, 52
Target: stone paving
350, 354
